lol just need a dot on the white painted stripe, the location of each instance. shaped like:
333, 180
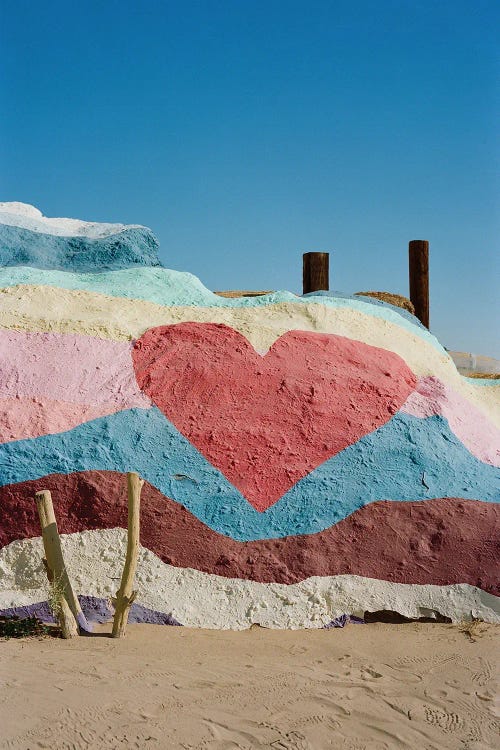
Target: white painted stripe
28, 217
95, 558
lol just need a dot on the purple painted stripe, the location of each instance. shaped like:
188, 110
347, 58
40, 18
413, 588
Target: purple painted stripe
83, 623
40, 610
138, 613
95, 610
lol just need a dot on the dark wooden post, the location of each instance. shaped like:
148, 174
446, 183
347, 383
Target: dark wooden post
418, 265
315, 272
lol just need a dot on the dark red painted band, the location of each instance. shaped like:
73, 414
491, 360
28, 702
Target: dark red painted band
440, 541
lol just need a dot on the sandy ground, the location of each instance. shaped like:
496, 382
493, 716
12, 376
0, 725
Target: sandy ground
418, 686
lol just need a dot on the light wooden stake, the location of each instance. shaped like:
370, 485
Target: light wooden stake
125, 596
54, 565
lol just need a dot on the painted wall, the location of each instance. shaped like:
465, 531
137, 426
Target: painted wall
303, 457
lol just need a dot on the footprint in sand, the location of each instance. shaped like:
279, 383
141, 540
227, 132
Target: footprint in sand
369, 673
445, 720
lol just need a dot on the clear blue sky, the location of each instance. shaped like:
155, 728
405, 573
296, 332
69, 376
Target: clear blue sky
245, 133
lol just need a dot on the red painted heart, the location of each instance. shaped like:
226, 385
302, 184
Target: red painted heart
266, 422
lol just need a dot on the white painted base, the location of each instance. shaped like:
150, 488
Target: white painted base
95, 559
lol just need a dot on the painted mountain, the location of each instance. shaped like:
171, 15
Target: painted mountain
304, 457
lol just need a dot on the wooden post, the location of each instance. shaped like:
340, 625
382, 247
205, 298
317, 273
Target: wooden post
418, 264
125, 596
60, 607
315, 272
54, 565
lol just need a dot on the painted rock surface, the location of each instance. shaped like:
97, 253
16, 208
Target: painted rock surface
237, 406
29, 239
304, 458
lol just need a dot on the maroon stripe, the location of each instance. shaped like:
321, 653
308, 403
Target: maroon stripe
438, 541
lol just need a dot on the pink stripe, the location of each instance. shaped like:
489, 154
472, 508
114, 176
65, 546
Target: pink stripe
470, 425
26, 417
69, 368
51, 382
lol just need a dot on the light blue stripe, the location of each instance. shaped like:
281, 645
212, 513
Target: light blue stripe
484, 381
387, 464
135, 246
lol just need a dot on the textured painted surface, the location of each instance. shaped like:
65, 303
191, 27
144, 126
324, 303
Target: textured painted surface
468, 423
168, 295
267, 422
164, 286
98, 610
406, 459
371, 300
100, 380
305, 457
25, 216
34, 400
95, 371
30, 416
438, 541
22, 247
58, 310
82, 251
196, 599
95, 609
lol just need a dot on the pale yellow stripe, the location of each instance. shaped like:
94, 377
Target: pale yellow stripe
44, 308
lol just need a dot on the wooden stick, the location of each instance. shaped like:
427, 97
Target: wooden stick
418, 266
125, 595
315, 272
54, 565
45, 506
62, 612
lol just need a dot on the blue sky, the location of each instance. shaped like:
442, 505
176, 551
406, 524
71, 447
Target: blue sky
245, 133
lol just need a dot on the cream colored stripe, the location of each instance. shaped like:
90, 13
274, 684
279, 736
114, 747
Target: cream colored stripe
95, 558
43, 308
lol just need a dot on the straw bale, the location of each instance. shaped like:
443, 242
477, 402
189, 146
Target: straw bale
232, 294
392, 299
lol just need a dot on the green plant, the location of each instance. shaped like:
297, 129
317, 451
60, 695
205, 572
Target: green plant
55, 596
22, 627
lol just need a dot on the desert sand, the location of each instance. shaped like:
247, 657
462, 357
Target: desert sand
377, 686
